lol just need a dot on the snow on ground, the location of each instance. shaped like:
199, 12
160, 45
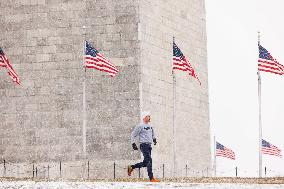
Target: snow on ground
129, 185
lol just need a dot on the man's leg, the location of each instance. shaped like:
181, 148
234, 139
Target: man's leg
141, 164
146, 155
147, 162
149, 165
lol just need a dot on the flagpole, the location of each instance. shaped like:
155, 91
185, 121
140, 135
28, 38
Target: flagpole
141, 100
84, 99
214, 166
260, 125
174, 109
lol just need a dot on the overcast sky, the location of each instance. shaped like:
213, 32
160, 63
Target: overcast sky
232, 27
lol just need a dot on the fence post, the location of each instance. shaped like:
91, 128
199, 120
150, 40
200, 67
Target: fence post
36, 172
33, 170
139, 173
4, 170
265, 171
88, 169
18, 171
236, 171
48, 171
207, 171
60, 169
186, 170
163, 170
113, 170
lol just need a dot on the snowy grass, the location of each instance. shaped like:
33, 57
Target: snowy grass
198, 183
129, 185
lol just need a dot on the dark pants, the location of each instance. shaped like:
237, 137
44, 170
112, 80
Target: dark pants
147, 162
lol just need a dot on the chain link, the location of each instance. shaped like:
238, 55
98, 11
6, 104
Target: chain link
14, 169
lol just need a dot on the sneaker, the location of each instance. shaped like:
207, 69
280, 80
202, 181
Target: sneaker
154, 180
129, 170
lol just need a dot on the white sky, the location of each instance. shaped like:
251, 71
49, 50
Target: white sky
232, 27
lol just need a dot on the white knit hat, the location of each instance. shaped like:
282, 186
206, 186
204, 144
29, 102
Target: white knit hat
144, 114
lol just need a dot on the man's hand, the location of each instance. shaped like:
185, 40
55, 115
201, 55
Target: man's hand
134, 146
155, 141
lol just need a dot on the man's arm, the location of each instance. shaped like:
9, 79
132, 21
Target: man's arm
135, 133
154, 137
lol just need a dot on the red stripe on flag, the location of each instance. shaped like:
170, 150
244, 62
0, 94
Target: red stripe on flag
91, 60
266, 70
184, 65
96, 60
226, 153
5, 63
270, 66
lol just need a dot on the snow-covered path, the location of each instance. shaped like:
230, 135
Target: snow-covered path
129, 185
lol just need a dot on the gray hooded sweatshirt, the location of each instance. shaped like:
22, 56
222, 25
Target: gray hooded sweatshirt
145, 133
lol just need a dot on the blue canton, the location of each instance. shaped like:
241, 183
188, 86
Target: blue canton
264, 54
219, 146
265, 144
177, 52
90, 50
1, 52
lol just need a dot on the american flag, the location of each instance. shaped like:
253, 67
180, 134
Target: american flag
94, 59
224, 152
4, 62
267, 63
270, 149
181, 63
